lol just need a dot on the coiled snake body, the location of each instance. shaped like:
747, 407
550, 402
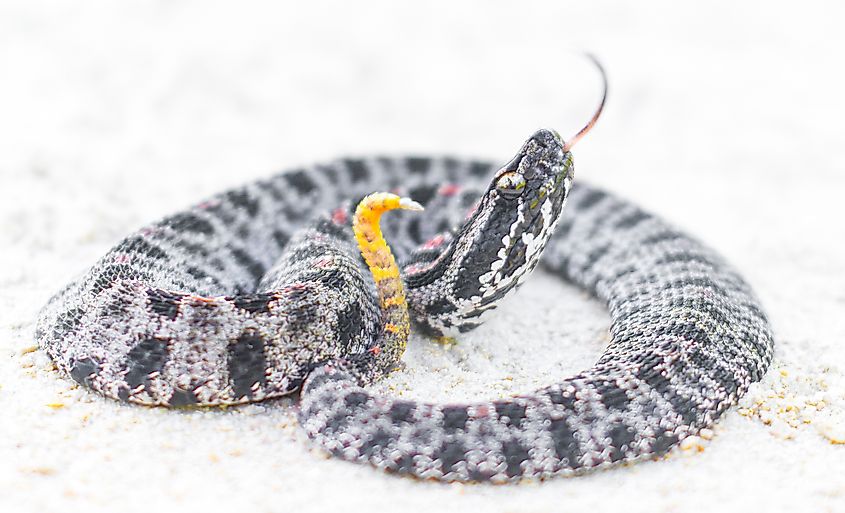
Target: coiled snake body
259, 292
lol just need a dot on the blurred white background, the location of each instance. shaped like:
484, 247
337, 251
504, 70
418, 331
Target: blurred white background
725, 117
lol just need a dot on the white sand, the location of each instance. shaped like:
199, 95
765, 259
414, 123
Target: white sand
725, 119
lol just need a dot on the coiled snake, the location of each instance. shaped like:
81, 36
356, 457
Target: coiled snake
259, 292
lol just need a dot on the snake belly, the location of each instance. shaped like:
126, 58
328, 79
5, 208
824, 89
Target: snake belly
247, 295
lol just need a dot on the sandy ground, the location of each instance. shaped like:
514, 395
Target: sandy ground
725, 119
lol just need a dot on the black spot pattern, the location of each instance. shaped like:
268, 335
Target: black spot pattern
450, 454
357, 170
349, 324
565, 445
189, 222
515, 454
254, 303
300, 182
242, 200
148, 356
82, 370
418, 165
247, 364
632, 220
164, 303
402, 411
183, 398
591, 199
253, 266
511, 413
455, 417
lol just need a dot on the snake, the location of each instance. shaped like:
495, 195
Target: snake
287, 285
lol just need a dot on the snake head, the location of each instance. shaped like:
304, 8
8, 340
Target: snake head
516, 217
502, 240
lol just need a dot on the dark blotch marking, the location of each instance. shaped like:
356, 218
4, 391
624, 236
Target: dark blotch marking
139, 245
281, 238
515, 412
401, 411
356, 399
358, 171
686, 407
595, 256
414, 232
222, 211
663, 237
337, 424
380, 440
590, 200
254, 303
450, 454
253, 267
300, 181
183, 398
149, 355
663, 442
454, 418
188, 222
242, 200
621, 437
199, 274
423, 193
329, 172
566, 446
611, 396
418, 164
479, 168
622, 273
468, 200
164, 303
247, 363
349, 323
685, 258
632, 220
558, 397
82, 370
190, 247
514, 454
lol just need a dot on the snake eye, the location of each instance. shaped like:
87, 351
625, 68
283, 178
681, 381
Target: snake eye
510, 185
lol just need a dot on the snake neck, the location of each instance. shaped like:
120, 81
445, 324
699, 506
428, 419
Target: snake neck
382, 265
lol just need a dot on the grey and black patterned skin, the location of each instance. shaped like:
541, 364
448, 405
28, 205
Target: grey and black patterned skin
240, 297
271, 292
688, 338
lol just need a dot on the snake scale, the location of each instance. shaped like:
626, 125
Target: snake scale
260, 292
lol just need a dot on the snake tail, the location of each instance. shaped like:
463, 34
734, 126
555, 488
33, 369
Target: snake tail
385, 271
